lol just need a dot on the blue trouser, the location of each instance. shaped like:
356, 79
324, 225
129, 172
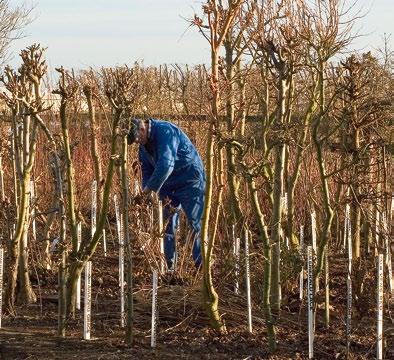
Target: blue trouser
191, 199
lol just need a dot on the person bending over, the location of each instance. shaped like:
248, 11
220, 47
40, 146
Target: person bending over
172, 168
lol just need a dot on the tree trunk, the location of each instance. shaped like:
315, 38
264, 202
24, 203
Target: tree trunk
62, 298
355, 209
267, 264
233, 178
94, 147
276, 223
85, 253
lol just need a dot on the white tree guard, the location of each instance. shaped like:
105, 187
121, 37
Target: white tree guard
154, 310
247, 271
310, 301
78, 295
379, 322
87, 301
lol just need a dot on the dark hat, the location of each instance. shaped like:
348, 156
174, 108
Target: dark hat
135, 125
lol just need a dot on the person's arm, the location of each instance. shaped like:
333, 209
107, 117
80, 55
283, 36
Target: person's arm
146, 168
167, 143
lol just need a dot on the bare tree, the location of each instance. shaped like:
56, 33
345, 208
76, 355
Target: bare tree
24, 98
12, 21
219, 19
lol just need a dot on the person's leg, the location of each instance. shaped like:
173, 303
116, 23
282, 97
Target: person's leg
171, 218
192, 202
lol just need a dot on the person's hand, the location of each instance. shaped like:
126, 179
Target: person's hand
146, 197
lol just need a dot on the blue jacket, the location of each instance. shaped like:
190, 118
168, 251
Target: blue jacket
169, 160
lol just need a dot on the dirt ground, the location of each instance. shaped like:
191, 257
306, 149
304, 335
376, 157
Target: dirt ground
183, 331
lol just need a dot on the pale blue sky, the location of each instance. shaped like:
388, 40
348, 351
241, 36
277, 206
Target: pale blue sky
83, 33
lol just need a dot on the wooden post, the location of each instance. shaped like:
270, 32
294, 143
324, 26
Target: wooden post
379, 342
87, 301
247, 271
310, 301
154, 310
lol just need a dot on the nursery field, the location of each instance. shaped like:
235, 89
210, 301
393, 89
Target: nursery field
276, 158
182, 329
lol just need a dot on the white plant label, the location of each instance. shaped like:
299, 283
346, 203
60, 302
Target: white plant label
388, 254
379, 342
236, 255
314, 245
346, 226
1, 282
377, 231
313, 230
94, 206
310, 300
88, 301
104, 243
247, 270
119, 226
302, 267
121, 274
160, 221
33, 212
348, 312
78, 295
2, 181
154, 310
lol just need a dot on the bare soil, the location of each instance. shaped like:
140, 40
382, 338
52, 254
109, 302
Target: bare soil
183, 327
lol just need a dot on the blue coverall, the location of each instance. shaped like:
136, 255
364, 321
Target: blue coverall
172, 167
